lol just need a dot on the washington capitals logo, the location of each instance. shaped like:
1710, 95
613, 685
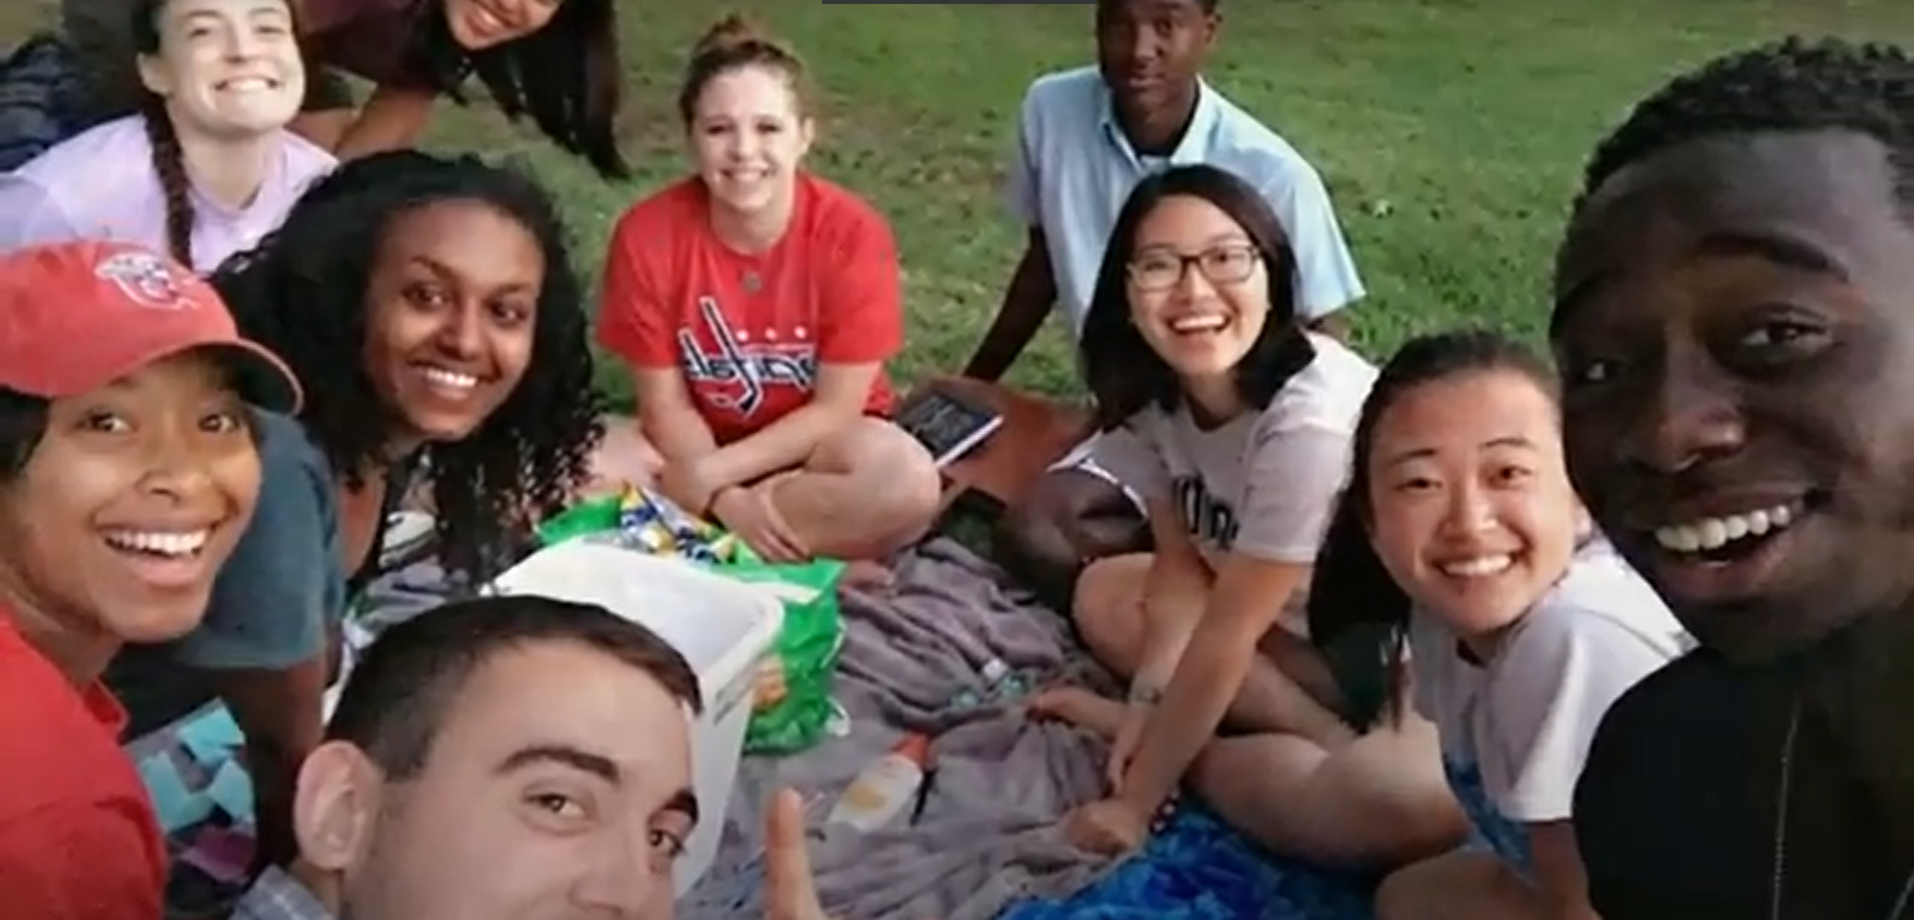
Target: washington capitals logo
146, 280
748, 368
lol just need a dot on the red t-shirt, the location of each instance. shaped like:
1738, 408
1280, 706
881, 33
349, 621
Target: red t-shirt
749, 331
78, 837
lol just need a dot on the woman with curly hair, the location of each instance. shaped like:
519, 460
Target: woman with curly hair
430, 310
555, 61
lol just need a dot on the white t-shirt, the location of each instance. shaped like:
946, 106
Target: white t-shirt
1526, 717
1262, 485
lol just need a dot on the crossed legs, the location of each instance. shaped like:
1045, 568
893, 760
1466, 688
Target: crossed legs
1287, 771
866, 492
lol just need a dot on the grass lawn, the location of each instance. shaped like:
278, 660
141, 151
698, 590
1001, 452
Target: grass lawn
1451, 132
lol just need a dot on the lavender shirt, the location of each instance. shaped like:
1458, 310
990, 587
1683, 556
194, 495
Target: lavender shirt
101, 185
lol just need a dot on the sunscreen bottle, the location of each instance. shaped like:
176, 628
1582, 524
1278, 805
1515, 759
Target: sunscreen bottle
885, 788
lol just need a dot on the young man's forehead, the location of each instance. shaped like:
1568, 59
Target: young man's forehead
1815, 197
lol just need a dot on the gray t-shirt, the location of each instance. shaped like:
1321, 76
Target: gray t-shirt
1526, 717
1262, 485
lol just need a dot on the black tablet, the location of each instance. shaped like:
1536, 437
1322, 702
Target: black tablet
947, 425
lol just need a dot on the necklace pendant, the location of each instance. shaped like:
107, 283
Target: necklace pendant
752, 283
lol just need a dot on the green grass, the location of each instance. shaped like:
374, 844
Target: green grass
1450, 131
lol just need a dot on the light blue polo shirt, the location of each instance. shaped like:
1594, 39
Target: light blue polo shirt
1074, 169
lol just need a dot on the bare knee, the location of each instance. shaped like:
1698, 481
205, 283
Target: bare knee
1371, 804
1404, 895
898, 484
1107, 608
1068, 518
904, 477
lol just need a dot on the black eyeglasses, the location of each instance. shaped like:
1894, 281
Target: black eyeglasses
1161, 269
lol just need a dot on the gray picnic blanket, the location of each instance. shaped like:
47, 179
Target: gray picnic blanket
988, 834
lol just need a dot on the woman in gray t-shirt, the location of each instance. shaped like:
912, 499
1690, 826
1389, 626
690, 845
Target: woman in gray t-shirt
1233, 424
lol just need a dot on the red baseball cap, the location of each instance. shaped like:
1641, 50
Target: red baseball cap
75, 317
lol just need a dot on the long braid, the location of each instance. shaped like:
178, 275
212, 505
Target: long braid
169, 164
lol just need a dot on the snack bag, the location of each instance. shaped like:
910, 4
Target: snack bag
640, 520
791, 707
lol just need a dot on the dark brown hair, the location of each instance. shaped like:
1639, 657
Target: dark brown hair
1124, 373
1358, 615
731, 43
565, 77
169, 161
396, 699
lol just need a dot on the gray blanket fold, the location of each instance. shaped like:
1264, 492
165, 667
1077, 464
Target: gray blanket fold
988, 834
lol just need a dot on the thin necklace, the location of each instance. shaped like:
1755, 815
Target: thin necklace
1783, 797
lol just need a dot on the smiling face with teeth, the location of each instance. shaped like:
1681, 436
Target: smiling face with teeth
1198, 291
748, 136
480, 24
1733, 323
452, 307
227, 69
127, 505
1470, 506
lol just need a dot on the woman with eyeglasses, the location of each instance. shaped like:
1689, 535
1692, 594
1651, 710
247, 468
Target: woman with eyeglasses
1235, 425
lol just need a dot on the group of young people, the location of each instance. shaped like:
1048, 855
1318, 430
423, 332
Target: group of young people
1631, 622
1610, 638
186, 526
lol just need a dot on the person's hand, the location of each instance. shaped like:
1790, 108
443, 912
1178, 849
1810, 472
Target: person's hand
689, 486
790, 892
1123, 747
750, 515
1110, 827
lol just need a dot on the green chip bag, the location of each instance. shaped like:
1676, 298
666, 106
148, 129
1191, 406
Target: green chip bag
791, 706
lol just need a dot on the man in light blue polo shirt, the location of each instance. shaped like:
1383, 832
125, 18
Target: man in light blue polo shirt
1086, 137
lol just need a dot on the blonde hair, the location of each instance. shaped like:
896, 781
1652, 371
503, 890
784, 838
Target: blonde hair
733, 42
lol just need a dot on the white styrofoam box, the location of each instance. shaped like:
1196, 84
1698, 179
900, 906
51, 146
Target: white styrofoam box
724, 628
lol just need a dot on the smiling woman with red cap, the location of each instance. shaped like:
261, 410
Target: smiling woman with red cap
128, 470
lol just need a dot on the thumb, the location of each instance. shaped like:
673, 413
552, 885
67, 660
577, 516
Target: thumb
790, 892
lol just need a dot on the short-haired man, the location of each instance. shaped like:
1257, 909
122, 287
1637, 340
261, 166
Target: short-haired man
506, 758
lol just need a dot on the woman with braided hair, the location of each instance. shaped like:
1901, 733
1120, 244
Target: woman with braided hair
430, 310
554, 62
220, 81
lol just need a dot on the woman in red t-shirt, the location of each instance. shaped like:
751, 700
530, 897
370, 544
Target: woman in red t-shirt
757, 305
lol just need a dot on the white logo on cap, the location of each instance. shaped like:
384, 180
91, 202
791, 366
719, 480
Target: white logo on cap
146, 280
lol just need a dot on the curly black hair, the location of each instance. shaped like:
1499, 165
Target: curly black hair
302, 293
1791, 85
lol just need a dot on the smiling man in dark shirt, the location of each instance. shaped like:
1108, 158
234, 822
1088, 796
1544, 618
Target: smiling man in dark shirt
1734, 322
